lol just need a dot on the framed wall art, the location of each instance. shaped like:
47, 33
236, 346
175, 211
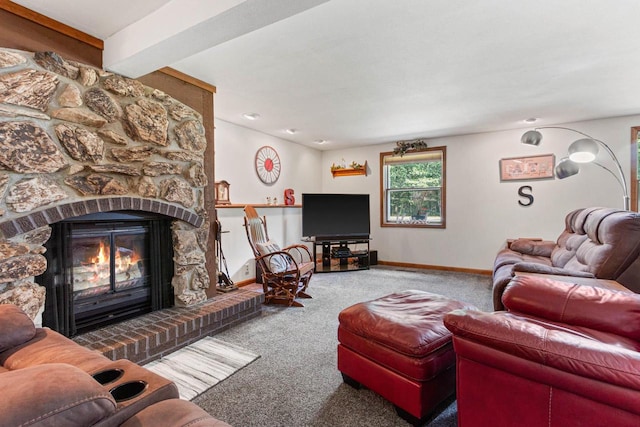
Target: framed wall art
526, 168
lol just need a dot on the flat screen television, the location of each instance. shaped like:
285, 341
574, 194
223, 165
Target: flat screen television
335, 216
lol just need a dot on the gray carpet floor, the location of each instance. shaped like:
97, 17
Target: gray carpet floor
295, 381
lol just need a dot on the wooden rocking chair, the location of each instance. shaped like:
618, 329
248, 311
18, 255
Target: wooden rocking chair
285, 272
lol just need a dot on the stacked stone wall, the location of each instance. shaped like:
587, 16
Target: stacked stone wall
70, 134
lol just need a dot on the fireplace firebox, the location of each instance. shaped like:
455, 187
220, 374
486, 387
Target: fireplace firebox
107, 267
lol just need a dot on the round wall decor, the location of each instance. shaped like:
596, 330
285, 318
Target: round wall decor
268, 164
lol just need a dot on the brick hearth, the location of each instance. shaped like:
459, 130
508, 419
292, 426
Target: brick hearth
153, 335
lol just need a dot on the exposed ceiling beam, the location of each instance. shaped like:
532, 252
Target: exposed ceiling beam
183, 28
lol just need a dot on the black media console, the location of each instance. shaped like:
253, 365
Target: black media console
341, 255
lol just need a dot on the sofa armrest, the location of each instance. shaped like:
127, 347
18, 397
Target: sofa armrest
549, 346
16, 327
532, 267
534, 247
53, 394
616, 312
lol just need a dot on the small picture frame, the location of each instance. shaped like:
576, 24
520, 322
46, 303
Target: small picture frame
222, 193
527, 168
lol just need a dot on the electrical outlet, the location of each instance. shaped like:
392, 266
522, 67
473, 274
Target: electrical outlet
246, 269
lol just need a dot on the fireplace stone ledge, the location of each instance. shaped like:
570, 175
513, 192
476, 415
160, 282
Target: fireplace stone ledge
151, 336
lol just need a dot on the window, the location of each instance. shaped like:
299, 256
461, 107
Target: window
413, 189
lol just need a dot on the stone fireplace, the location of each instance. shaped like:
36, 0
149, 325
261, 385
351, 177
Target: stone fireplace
79, 147
106, 267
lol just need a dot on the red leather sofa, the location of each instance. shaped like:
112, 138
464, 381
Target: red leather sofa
601, 243
561, 355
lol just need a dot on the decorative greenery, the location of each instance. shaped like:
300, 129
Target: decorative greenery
353, 165
404, 146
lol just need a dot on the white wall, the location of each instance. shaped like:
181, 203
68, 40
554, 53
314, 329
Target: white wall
481, 211
235, 149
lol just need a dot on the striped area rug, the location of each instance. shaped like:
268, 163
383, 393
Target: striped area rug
201, 365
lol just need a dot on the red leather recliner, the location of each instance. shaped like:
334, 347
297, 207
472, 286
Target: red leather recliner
561, 355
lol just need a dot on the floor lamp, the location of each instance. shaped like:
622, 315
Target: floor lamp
583, 150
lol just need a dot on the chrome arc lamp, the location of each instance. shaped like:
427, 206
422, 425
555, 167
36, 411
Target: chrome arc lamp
583, 150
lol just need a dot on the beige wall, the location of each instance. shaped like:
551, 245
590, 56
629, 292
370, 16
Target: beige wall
481, 211
236, 147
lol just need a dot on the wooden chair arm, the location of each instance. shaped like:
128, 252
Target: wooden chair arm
294, 269
300, 248
270, 254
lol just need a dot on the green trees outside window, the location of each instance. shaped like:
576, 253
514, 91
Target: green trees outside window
413, 188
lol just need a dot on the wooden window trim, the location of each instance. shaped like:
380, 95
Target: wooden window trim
443, 224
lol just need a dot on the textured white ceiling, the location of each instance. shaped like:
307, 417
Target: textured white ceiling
356, 72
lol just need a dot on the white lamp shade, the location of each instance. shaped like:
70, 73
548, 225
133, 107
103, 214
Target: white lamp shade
583, 150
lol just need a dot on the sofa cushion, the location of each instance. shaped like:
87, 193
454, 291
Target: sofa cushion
175, 413
616, 312
53, 395
510, 257
532, 267
533, 247
612, 244
566, 248
15, 327
48, 346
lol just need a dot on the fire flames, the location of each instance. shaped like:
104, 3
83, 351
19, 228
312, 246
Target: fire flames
102, 257
125, 258
96, 270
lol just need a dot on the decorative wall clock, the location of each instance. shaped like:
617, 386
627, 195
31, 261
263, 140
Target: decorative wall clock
222, 193
268, 165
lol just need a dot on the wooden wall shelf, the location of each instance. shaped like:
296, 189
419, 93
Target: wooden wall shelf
350, 171
241, 206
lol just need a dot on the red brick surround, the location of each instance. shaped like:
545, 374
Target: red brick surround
156, 334
70, 210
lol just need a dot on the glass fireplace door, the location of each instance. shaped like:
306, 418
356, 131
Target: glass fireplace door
90, 265
106, 267
130, 260
108, 271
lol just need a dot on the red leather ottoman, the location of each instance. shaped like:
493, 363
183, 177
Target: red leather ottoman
398, 347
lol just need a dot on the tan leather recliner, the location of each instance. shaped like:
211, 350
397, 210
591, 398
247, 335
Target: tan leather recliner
601, 243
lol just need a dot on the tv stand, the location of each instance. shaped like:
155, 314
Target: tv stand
341, 254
